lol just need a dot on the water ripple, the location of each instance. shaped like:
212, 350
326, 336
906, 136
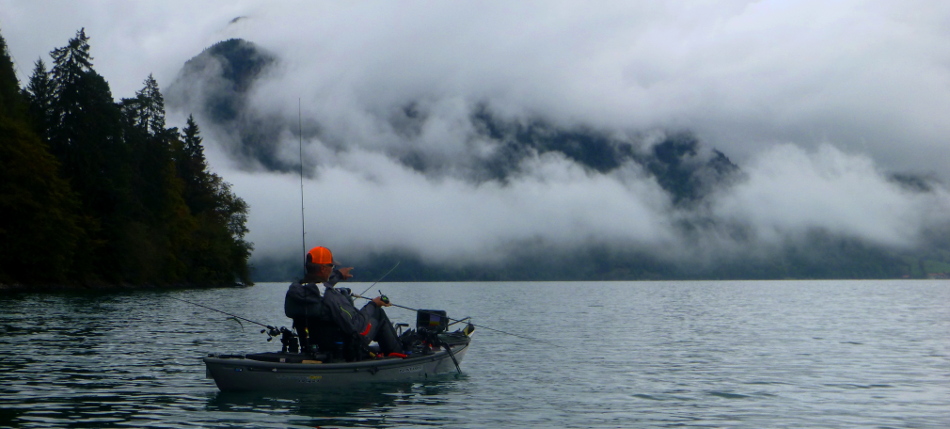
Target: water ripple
638, 354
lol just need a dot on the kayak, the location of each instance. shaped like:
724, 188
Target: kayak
439, 354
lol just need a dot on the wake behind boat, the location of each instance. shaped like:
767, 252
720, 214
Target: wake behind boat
432, 352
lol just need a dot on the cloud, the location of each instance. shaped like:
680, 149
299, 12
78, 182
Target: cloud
817, 102
366, 202
790, 191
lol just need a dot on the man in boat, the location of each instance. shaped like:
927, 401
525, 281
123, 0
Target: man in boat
331, 321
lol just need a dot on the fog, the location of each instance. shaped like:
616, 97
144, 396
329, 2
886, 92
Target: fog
817, 103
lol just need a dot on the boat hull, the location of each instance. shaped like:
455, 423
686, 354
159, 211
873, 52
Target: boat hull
239, 373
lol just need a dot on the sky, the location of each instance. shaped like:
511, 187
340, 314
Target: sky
816, 101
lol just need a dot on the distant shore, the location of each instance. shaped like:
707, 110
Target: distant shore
18, 288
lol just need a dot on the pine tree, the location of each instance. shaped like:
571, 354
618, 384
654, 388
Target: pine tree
150, 143
193, 169
193, 148
77, 199
219, 253
39, 92
147, 110
39, 228
71, 64
153, 107
161, 223
9, 84
86, 136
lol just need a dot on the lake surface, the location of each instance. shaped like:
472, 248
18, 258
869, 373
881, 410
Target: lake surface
792, 354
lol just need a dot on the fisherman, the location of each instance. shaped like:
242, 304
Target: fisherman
331, 322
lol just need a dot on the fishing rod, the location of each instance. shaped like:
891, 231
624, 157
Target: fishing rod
270, 330
381, 278
524, 337
303, 226
287, 337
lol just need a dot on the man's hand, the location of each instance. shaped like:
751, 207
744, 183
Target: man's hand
380, 303
345, 272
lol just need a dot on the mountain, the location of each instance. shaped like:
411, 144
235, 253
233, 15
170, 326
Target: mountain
219, 85
214, 85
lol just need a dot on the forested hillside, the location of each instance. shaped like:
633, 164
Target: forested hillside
96, 192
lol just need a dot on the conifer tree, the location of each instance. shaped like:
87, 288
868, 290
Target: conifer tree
71, 63
193, 169
193, 148
153, 107
38, 206
171, 222
40, 95
147, 110
9, 84
85, 135
220, 252
160, 221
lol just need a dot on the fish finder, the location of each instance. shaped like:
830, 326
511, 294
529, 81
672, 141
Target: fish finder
432, 320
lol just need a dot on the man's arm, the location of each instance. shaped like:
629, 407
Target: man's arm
340, 275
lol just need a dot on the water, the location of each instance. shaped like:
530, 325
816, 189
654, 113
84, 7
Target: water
827, 354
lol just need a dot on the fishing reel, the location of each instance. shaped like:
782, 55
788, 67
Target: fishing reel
288, 339
271, 332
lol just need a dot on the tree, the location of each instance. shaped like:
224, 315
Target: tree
9, 84
73, 209
39, 92
147, 110
85, 134
160, 223
39, 229
151, 149
219, 252
71, 64
193, 169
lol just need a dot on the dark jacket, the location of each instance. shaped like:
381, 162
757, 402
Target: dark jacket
303, 301
339, 307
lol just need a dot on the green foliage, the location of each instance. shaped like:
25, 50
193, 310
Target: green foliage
99, 192
221, 215
936, 267
9, 86
39, 93
40, 230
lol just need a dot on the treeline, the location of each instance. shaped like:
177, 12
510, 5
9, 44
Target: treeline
98, 192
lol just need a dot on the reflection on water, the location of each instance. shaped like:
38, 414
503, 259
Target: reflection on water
361, 406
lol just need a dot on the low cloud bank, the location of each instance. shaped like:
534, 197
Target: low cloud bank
456, 160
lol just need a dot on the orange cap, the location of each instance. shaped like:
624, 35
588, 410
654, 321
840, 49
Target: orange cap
319, 255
